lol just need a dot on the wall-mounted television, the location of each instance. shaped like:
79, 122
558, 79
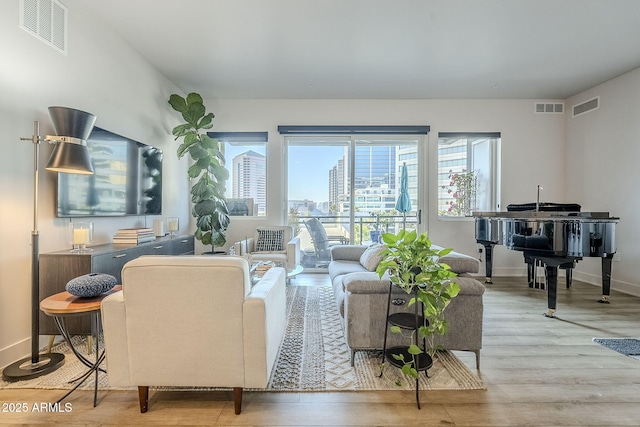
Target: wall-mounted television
127, 180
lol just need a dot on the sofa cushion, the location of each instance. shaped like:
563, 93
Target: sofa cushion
269, 240
459, 263
338, 268
372, 256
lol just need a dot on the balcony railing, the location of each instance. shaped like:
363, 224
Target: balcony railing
366, 230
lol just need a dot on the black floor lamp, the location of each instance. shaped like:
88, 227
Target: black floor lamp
70, 155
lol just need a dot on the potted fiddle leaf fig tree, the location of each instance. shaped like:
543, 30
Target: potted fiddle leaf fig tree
415, 267
207, 169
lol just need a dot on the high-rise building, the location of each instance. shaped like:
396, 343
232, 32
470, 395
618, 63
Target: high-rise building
375, 166
337, 185
248, 182
375, 179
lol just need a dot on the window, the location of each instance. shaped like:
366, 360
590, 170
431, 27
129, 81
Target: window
351, 183
348, 178
468, 173
246, 159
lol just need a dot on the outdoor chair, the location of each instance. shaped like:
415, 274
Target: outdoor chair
322, 243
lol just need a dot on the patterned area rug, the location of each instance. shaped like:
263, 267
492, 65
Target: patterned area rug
627, 346
313, 357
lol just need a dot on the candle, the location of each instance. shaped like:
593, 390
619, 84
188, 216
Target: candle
80, 236
172, 224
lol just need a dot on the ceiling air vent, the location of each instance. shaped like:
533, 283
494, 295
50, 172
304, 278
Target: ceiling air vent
47, 20
586, 107
549, 108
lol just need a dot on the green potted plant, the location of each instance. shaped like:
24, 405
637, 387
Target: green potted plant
414, 266
207, 194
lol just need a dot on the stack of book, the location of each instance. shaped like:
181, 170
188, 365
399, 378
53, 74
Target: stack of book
133, 236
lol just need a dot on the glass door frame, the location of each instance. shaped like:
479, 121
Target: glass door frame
421, 142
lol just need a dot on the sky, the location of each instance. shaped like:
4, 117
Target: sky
309, 171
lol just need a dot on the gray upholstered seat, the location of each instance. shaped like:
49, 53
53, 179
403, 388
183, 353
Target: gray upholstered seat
362, 298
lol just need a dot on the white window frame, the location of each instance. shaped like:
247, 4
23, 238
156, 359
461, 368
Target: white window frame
491, 183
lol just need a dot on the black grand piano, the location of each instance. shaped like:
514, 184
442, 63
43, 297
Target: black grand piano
555, 235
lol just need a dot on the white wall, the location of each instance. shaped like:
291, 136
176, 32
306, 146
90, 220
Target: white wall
603, 174
532, 151
590, 160
101, 74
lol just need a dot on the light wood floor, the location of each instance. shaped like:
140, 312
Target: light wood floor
538, 371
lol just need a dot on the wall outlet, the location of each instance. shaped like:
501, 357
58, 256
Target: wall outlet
616, 257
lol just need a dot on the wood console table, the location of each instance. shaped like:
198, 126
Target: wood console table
57, 268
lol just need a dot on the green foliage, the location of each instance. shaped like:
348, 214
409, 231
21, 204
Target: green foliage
293, 220
414, 266
207, 194
463, 188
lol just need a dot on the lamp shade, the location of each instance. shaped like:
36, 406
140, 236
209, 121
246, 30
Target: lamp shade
72, 122
73, 128
70, 158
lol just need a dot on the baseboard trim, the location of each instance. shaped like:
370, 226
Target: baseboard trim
22, 349
591, 279
14, 352
616, 285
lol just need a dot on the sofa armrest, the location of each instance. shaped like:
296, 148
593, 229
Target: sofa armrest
347, 252
114, 324
293, 252
366, 282
264, 321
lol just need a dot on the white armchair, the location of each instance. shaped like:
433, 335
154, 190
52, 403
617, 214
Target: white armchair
272, 243
193, 321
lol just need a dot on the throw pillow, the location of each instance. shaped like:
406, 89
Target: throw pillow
269, 240
372, 256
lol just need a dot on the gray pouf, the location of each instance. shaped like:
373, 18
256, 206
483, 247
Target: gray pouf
91, 285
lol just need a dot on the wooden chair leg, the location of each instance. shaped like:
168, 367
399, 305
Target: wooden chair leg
143, 397
237, 399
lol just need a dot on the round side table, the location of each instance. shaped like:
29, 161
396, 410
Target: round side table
63, 305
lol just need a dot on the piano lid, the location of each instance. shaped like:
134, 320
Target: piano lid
543, 215
545, 206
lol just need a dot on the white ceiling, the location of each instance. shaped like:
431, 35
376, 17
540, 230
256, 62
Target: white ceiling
381, 49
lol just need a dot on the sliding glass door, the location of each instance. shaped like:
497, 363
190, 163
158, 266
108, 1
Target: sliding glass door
351, 185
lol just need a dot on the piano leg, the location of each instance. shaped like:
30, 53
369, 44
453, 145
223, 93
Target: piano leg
552, 286
532, 273
569, 276
568, 271
488, 250
606, 278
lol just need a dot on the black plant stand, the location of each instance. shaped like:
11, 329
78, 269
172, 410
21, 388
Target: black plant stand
410, 322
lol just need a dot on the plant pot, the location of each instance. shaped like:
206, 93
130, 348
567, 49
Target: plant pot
214, 253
